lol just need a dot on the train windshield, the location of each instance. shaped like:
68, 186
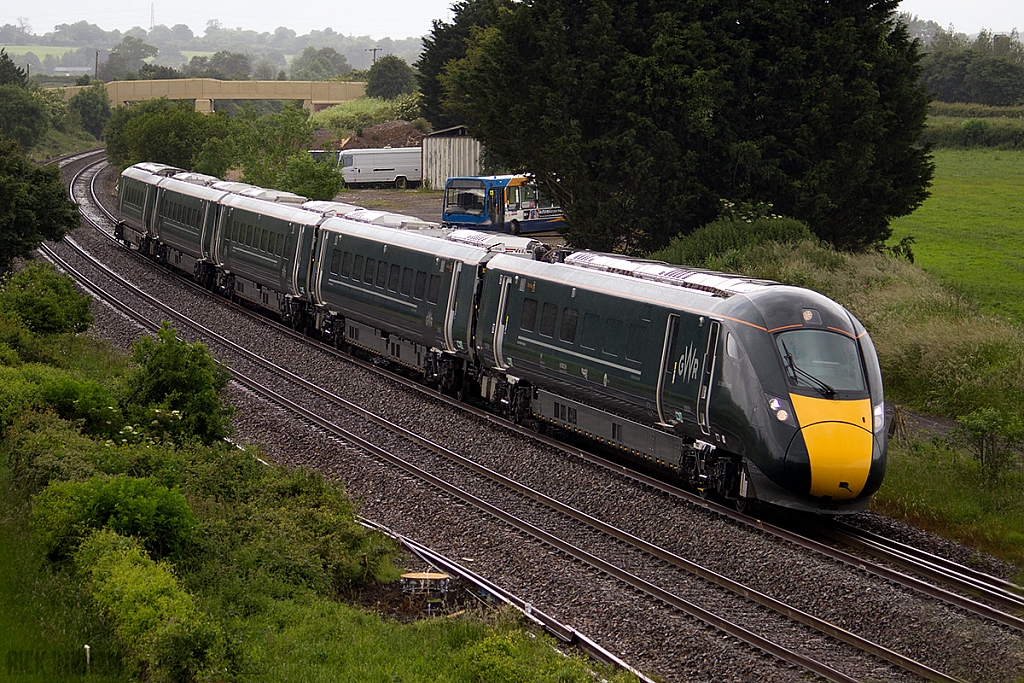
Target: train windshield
822, 361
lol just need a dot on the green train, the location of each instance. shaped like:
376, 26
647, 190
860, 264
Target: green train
751, 390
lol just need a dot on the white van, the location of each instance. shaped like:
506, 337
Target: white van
398, 166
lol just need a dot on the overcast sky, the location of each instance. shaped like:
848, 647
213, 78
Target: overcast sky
375, 18
383, 18
969, 16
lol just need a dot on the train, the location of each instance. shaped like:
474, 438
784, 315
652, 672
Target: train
748, 390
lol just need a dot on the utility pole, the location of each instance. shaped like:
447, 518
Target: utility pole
374, 50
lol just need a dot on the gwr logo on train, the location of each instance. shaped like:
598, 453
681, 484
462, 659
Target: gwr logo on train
688, 366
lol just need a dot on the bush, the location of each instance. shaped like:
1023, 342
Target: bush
46, 301
957, 133
66, 512
173, 390
309, 177
729, 234
165, 635
41, 447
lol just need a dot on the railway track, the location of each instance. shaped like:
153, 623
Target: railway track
655, 557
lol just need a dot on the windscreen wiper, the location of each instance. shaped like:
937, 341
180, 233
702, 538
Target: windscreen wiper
799, 373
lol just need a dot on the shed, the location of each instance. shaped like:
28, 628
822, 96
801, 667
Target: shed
448, 153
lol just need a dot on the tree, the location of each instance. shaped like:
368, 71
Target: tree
23, 116
92, 106
995, 81
134, 51
988, 70
264, 144
172, 133
319, 65
446, 43
309, 177
34, 205
641, 117
390, 77
11, 73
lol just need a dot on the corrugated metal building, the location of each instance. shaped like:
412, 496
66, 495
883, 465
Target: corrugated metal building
448, 153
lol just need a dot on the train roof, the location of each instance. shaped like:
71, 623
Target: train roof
769, 306
286, 212
719, 284
176, 184
152, 168
408, 239
330, 208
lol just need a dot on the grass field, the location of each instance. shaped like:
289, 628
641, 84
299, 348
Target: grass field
39, 51
970, 232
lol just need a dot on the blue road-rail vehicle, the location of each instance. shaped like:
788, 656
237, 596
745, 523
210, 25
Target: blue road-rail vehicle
504, 203
746, 389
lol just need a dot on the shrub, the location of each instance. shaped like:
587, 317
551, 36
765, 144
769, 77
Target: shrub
41, 447
729, 234
165, 635
311, 178
66, 512
46, 301
956, 133
173, 390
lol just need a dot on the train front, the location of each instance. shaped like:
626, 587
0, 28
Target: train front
825, 422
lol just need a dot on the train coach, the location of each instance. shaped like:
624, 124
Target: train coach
752, 390
747, 389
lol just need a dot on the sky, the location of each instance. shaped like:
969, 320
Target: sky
969, 16
395, 19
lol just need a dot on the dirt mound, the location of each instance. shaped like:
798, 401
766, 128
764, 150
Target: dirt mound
390, 134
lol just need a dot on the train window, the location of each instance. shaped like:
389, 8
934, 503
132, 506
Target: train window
371, 267
548, 316
346, 264
421, 285
357, 268
280, 245
529, 319
335, 262
393, 276
434, 289
382, 274
591, 331
636, 343
732, 347
249, 230
233, 231
264, 237
613, 340
568, 331
407, 281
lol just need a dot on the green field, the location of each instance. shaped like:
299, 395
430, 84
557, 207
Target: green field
39, 51
970, 232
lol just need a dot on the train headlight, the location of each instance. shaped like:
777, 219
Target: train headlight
780, 409
879, 415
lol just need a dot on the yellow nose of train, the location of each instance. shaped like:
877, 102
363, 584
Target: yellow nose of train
838, 438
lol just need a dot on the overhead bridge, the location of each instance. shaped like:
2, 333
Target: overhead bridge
315, 95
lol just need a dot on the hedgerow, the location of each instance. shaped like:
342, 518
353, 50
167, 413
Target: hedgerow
166, 637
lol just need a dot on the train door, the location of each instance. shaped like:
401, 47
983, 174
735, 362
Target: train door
449, 317
687, 369
666, 372
704, 397
501, 323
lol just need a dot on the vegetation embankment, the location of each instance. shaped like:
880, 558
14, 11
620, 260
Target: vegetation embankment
119, 498
942, 348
